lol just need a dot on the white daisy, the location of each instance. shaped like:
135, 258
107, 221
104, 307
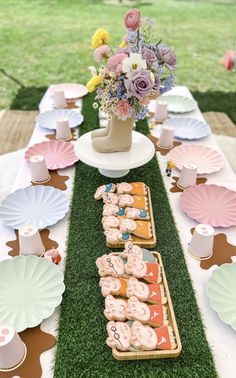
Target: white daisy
132, 64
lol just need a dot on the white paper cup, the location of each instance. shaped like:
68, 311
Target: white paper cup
201, 244
38, 169
188, 176
166, 137
12, 349
30, 241
161, 112
63, 131
59, 99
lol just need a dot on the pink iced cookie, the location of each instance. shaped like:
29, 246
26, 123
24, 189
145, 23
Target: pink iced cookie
155, 315
110, 198
53, 255
110, 222
153, 293
135, 188
108, 188
119, 335
150, 272
139, 202
113, 285
114, 236
145, 337
115, 308
139, 228
133, 213
110, 265
133, 250
109, 209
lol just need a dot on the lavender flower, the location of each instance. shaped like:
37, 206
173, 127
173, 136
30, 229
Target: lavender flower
139, 85
149, 56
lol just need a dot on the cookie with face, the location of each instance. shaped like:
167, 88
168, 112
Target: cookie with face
139, 202
133, 213
115, 308
134, 188
152, 293
132, 250
119, 335
110, 265
113, 285
142, 229
155, 315
150, 272
110, 222
108, 188
109, 209
145, 337
114, 236
110, 198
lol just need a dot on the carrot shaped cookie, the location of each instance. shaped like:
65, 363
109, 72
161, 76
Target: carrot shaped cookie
135, 188
155, 315
139, 202
142, 229
150, 272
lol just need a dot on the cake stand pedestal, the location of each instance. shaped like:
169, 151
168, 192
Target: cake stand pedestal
115, 164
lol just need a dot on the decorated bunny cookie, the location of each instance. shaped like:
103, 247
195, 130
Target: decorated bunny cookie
110, 222
108, 188
119, 335
145, 337
141, 229
150, 272
133, 213
153, 293
110, 265
114, 236
109, 209
133, 250
155, 315
111, 198
115, 309
113, 285
135, 188
139, 202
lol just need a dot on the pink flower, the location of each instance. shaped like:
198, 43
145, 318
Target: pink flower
101, 53
123, 110
132, 19
115, 62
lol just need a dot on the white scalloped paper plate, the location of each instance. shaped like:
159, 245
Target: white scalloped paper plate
49, 118
188, 128
31, 288
39, 205
178, 104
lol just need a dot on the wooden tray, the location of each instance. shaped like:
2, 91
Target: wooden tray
153, 354
145, 243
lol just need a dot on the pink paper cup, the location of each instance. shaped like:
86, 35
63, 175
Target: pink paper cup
201, 244
59, 99
161, 112
63, 131
166, 137
12, 349
30, 241
188, 176
38, 169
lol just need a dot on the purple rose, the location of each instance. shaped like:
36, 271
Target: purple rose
126, 50
168, 56
148, 55
139, 85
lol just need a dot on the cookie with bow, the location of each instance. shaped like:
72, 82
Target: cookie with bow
134, 188
109, 209
114, 236
107, 188
133, 213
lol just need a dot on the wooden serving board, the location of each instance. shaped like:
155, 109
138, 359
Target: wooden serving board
145, 243
154, 354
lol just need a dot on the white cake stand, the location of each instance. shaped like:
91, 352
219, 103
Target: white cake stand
115, 164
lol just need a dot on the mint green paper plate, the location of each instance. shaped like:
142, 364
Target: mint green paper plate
30, 289
221, 290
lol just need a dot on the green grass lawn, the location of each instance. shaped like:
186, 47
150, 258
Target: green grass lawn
44, 42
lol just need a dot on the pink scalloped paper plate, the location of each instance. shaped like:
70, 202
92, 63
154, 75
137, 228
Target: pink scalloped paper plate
211, 204
205, 158
72, 91
58, 155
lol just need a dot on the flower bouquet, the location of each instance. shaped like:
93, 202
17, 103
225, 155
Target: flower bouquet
127, 80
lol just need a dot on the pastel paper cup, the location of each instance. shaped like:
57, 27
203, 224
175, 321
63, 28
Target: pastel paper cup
201, 244
30, 241
59, 99
38, 169
12, 349
166, 138
161, 112
188, 176
63, 131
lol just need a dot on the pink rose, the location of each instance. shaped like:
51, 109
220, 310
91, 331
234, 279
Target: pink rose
101, 53
115, 62
132, 19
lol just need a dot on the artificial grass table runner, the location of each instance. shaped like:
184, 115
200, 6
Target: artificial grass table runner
82, 349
